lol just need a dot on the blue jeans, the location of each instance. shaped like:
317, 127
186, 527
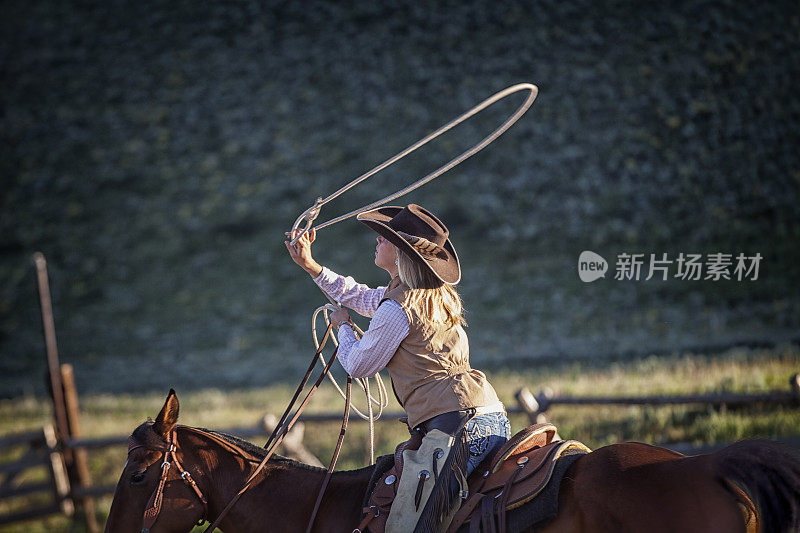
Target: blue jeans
485, 434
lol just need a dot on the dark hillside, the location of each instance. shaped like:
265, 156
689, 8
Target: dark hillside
156, 151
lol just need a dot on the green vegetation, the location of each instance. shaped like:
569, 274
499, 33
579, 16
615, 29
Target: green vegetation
736, 370
155, 152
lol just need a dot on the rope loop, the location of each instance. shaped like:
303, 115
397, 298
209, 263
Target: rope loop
309, 216
486, 141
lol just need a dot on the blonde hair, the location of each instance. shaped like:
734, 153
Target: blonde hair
440, 302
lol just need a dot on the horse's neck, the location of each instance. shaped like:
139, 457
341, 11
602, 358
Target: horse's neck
290, 492
285, 494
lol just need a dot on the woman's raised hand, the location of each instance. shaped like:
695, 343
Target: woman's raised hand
301, 251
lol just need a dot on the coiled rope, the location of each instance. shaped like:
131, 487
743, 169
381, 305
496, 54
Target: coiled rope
383, 398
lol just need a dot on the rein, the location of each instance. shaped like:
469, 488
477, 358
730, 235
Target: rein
335, 456
283, 427
169, 447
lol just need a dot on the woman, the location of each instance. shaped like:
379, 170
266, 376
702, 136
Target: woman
416, 332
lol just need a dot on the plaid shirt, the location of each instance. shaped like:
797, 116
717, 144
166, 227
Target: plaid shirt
387, 329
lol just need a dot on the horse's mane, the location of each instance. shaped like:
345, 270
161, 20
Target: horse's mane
260, 452
247, 446
146, 436
382, 463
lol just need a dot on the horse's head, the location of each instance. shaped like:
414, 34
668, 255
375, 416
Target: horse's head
149, 494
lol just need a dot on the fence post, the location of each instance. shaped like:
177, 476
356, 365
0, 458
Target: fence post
80, 474
58, 471
530, 406
51, 347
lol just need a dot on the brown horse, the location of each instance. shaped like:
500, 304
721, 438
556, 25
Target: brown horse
749, 486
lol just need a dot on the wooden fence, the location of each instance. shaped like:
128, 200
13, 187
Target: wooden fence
35, 455
535, 406
44, 445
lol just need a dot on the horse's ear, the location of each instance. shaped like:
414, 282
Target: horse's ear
168, 416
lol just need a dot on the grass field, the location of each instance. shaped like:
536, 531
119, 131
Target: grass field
735, 370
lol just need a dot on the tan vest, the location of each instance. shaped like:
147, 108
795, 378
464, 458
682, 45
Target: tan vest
430, 370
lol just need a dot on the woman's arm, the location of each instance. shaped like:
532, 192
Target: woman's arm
346, 291
358, 297
366, 357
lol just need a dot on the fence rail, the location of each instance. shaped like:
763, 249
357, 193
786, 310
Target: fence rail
536, 405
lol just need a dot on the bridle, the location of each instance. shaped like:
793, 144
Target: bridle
169, 447
153, 507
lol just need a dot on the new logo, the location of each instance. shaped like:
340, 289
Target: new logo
591, 266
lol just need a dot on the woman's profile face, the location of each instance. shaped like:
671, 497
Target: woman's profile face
385, 254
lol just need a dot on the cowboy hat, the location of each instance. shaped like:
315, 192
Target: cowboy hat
417, 232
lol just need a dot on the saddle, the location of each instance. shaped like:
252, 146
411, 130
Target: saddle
526, 467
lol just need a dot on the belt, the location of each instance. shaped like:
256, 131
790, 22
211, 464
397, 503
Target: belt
451, 422
496, 407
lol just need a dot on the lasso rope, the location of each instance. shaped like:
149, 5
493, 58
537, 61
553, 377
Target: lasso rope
311, 214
